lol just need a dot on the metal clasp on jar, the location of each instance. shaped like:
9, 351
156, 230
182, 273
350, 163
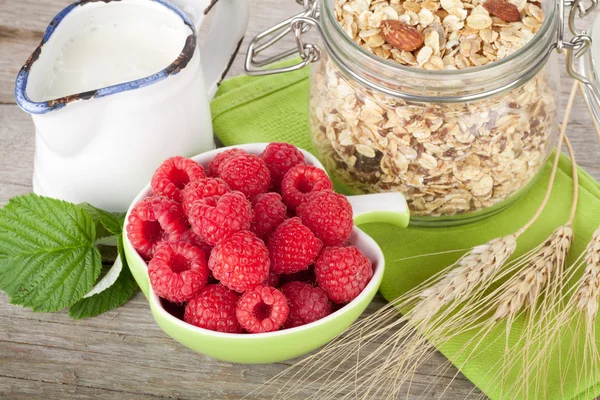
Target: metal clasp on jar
579, 44
308, 52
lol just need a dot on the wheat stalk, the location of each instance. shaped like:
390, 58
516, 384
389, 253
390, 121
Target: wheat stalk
540, 273
535, 289
529, 284
452, 302
401, 344
527, 288
588, 292
476, 267
582, 309
538, 290
586, 299
579, 317
576, 319
550, 322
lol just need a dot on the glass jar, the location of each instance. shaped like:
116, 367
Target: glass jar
453, 159
459, 144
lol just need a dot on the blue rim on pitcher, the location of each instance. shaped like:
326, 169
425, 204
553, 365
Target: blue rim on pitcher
43, 107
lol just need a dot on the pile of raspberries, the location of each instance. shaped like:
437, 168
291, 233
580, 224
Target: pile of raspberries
252, 244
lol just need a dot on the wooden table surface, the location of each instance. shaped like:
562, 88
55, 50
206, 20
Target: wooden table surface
123, 354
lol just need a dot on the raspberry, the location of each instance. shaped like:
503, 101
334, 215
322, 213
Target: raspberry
293, 247
215, 164
343, 272
201, 188
217, 218
328, 215
306, 302
272, 280
262, 309
269, 213
280, 157
301, 181
306, 276
173, 174
214, 309
240, 262
190, 237
178, 271
247, 173
153, 221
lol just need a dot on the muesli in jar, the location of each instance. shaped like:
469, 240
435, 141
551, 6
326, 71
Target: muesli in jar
440, 35
448, 158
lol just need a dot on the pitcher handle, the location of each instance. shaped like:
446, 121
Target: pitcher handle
224, 39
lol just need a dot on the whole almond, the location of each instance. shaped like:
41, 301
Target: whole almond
503, 10
401, 36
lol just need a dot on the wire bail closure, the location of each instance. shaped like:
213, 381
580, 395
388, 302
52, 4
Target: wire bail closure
579, 44
298, 25
576, 7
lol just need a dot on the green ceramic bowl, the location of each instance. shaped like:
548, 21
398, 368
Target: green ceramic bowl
285, 344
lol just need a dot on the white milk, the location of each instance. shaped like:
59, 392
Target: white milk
103, 55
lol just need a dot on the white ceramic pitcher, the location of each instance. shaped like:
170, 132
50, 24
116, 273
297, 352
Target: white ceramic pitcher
101, 146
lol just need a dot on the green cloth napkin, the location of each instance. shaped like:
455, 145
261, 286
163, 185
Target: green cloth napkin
274, 108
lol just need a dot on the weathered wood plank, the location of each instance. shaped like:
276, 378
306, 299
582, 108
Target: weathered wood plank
26, 389
52, 348
17, 146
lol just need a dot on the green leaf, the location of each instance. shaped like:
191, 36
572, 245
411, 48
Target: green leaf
114, 296
107, 224
48, 259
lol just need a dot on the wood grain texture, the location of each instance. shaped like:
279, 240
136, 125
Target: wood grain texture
124, 354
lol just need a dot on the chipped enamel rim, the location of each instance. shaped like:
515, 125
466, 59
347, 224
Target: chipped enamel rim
360, 239
44, 107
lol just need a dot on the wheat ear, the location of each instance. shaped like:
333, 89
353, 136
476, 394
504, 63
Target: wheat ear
525, 289
577, 320
396, 347
475, 267
585, 304
534, 287
384, 343
535, 293
588, 293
